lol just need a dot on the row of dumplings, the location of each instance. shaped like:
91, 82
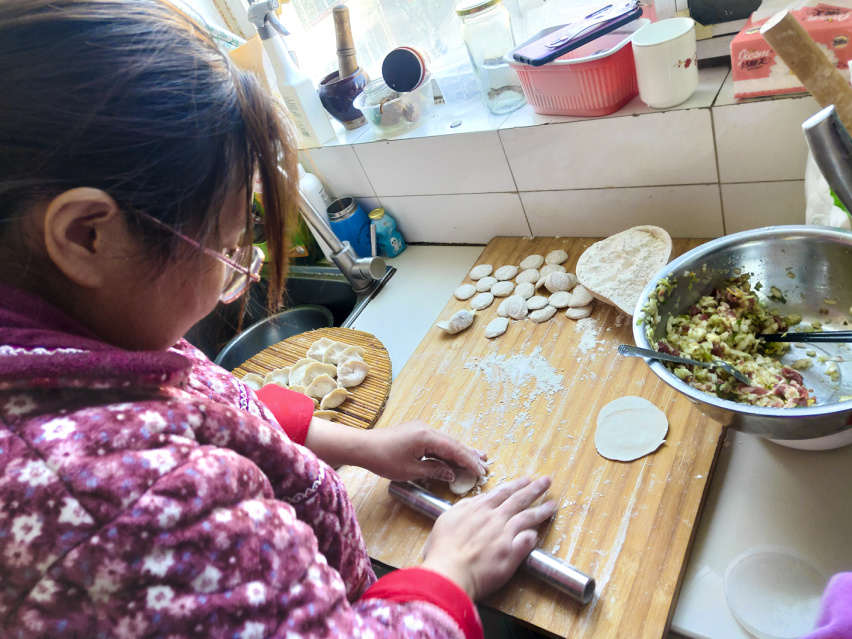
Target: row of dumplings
521, 297
328, 369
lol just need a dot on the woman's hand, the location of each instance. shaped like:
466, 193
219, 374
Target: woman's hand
480, 542
396, 452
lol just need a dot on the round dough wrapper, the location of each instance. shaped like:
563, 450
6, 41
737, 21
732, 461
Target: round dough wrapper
465, 292
530, 275
532, 261
633, 430
480, 271
464, 482
481, 301
506, 272
580, 296
502, 289
537, 302
560, 299
496, 327
578, 313
486, 283
543, 314
556, 257
525, 290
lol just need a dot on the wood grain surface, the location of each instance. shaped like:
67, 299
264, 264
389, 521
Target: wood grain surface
366, 401
530, 399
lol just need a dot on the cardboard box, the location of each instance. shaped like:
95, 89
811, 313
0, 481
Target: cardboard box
758, 71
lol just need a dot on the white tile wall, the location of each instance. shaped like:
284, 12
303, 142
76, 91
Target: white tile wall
752, 205
458, 219
674, 147
712, 166
684, 211
467, 163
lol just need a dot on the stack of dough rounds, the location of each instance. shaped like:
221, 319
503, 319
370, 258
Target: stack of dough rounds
328, 369
541, 287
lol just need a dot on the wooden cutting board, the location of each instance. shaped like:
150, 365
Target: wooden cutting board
530, 399
366, 401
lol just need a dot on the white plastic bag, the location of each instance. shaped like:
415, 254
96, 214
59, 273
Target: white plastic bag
819, 203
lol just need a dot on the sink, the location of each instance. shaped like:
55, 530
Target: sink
323, 289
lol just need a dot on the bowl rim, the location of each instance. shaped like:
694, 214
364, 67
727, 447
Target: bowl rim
639, 337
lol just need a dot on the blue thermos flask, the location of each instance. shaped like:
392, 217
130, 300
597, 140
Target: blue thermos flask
388, 237
349, 222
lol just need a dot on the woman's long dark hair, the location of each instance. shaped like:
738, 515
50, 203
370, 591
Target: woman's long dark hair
134, 98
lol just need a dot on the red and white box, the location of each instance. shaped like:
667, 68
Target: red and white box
758, 71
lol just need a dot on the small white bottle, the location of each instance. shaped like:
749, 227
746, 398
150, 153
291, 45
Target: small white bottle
315, 192
299, 95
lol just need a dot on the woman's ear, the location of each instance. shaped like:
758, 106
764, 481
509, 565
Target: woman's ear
83, 229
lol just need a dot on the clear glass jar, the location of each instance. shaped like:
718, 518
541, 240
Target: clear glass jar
487, 34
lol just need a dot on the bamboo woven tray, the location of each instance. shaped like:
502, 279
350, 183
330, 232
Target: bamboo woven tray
366, 401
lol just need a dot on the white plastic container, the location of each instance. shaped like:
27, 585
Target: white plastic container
315, 192
456, 80
299, 95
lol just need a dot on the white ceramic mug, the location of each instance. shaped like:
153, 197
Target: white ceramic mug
666, 62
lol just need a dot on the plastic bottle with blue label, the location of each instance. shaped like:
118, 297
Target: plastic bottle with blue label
388, 237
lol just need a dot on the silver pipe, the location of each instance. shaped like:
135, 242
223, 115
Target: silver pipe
832, 149
538, 563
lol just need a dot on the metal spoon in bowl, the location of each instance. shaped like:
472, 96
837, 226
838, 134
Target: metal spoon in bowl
635, 351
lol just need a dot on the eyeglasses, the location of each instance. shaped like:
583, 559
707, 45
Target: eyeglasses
237, 278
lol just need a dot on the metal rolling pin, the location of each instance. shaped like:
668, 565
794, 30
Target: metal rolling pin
538, 563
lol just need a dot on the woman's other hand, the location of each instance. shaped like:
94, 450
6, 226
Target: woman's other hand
396, 452
480, 542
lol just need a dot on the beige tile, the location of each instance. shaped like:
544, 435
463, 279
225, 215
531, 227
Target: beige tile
458, 219
450, 164
339, 170
759, 204
673, 147
684, 211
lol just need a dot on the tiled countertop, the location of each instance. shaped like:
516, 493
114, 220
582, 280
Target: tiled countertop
761, 493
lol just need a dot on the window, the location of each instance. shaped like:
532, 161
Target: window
378, 26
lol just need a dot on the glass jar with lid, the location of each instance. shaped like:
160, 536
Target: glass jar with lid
487, 34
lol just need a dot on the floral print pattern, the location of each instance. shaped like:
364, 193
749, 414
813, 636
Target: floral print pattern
138, 499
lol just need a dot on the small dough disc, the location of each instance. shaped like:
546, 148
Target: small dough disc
556, 257
465, 291
481, 301
530, 275
525, 290
496, 327
537, 302
543, 314
502, 289
516, 307
580, 296
464, 482
547, 269
486, 283
480, 271
578, 313
631, 430
560, 299
506, 272
532, 261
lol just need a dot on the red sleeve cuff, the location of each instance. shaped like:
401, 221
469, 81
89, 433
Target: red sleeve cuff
292, 410
421, 584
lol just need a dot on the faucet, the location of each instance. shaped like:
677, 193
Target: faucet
831, 146
362, 272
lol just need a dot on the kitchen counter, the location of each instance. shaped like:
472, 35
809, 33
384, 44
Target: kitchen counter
761, 494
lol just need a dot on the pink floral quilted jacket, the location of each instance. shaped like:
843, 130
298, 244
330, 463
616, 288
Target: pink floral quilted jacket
151, 495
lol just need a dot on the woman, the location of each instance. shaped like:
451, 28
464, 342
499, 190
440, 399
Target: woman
145, 491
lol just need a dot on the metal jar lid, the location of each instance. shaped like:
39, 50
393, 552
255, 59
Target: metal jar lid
469, 7
341, 208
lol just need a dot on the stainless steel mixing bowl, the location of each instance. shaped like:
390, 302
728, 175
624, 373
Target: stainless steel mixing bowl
812, 267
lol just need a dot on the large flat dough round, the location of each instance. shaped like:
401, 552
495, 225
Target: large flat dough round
629, 428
